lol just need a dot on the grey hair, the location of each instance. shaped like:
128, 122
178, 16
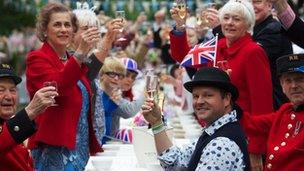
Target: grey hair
86, 17
244, 8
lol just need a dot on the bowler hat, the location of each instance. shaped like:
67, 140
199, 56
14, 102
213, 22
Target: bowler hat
290, 63
214, 77
6, 71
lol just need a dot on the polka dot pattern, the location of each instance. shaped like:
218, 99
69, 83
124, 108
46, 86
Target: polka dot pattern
220, 153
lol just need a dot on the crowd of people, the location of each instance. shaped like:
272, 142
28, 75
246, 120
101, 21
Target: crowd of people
86, 76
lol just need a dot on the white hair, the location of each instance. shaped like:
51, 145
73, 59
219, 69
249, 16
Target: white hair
86, 16
244, 8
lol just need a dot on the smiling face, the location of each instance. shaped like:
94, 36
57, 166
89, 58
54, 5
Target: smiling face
8, 98
234, 26
59, 30
128, 81
262, 9
293, 87
209, 104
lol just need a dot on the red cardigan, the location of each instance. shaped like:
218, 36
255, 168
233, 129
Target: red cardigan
58, 125
250, 70
276, 134
12, 155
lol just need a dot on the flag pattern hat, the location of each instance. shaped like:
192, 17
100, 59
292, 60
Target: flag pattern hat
130, 64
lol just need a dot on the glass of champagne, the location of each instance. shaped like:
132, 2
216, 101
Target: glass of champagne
182, 8
120, 15
54, 84
151, 83
199, 20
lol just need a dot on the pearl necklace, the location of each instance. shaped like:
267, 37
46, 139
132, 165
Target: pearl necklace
63, 58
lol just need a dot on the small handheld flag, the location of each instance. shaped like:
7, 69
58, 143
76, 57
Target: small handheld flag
201, 54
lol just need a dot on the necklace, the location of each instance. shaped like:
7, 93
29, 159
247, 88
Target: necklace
63, 58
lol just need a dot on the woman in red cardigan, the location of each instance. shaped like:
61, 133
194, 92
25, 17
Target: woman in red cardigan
247, 61
65, 137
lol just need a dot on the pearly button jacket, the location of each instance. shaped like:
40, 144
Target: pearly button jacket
13, 155
283, 129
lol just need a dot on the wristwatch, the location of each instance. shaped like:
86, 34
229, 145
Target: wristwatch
79, 56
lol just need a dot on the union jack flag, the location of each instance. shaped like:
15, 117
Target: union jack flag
125, 134
201, 54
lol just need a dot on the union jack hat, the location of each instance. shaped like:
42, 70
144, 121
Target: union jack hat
130, 64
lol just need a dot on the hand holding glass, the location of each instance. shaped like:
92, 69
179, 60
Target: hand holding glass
120, 15
182, 8
54, 84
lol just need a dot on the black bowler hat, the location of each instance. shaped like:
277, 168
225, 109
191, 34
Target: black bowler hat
290, 63
7, 71
214, 77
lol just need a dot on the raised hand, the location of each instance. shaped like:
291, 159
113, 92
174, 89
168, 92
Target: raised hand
89, 39
180, 22
212, 17
151, 111
42, 99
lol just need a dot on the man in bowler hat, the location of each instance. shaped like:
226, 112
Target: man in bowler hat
15, 128
280, 135
222, 145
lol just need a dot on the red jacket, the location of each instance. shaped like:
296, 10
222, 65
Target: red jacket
58, 125
13, 155
285, 144
250, 70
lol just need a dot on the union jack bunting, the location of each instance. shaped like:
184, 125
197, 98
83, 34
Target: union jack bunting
201, 54
125, 134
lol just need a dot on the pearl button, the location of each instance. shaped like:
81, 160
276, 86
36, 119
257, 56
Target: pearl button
286, 135
292, 116
276, 148
16, 128
0, 129
289, 126
269, 166
271, 156
283, 143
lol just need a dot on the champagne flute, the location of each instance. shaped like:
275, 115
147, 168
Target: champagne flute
54, 84
182, 8
199, 20
151, 83
120, 15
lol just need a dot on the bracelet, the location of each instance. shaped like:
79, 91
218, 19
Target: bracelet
103, 48
158, 128
79, 56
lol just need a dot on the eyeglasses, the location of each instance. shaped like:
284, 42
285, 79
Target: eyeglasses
114, 74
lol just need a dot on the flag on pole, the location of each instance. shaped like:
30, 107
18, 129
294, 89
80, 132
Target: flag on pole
201, 54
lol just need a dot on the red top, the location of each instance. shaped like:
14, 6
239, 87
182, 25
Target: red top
250, 70
58, 125
13, 156
284, 130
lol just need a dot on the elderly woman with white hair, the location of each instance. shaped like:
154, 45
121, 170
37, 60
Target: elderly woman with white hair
237, 53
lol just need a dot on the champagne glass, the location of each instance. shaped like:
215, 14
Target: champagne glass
54, 84
182, 8
120, 15
151, 83
199, 20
